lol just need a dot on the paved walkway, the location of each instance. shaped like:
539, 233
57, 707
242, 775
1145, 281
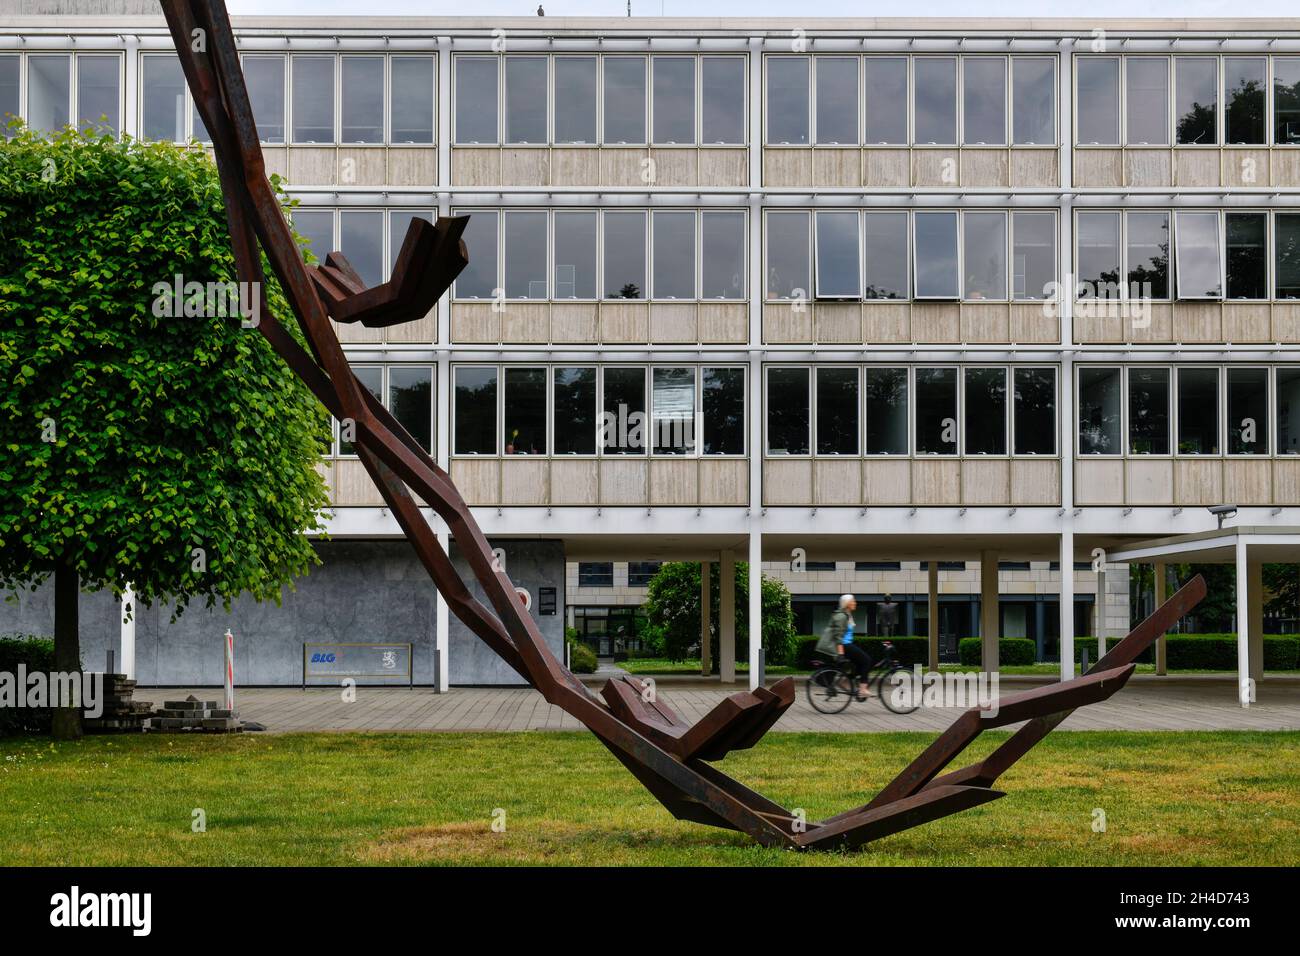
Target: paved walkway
1142, 705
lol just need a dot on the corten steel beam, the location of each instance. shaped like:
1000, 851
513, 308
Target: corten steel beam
668, 755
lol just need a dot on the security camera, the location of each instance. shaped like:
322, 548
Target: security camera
1222, 511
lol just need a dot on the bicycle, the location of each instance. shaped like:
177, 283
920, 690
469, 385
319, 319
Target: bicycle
833, 685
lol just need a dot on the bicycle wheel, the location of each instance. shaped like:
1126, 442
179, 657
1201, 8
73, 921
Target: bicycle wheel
900, 700
829, 691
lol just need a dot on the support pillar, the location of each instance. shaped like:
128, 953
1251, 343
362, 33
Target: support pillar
442, 622
1067, 605
755, 621
706, 643
934, 615
127, 665
989, 611
727, 619
1255, 634
1162, 644
1244, 685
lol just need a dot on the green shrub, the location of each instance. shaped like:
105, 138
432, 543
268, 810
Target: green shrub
908, 649
35, 654
1012, 651
582, 659
1146, 657
1219, 652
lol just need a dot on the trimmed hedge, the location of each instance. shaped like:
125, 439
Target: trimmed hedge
1219, 652
582, 659
1011, 651
37, 654
908, 649
1146, 657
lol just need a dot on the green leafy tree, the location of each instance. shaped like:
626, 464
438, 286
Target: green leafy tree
175, 454
673, 608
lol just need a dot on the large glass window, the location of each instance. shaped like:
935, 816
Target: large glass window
476, 99
1100, 413
1248, 411
787, 100
313, 99
526, 99
363, 99
886, 254
934, 100
936, 411
478, 280
475, 400
371, 378
99, 101
623, 421
985, 258
984, 98
524, 404
787, 255
575, 255
1198, 411
524, 232
672, 411
1148, 411
1247, 254
317, 227
1286, 255
625, 255
1148, 255
1288, 414
722, 99
886, 394
1245, 88
10, 67
1033, 254
935, 260
162, 115
410, 399
1098, 256
574, 391
838, 255
399, 222
674, 254
625, 99
837, 99
1286, 99
1196, 99
361, 240
1034, 410
886, 100
412, 99
1033, 100
575, 99
723, 397
1097, 120
49, 91
264, 76
1146, 85
985, 411
722, 255
787, 411
1198, 255
674, 99
837, 410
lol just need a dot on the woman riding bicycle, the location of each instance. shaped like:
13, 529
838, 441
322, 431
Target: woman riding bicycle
839, 634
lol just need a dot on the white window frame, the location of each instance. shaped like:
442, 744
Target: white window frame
767, 404
1008, 439
1123, 411
1056, 411
859, 441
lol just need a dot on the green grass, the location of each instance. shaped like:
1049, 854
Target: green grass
1169, 798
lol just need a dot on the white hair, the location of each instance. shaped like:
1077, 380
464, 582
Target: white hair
845, 599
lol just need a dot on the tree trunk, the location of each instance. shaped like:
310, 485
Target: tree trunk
67, 645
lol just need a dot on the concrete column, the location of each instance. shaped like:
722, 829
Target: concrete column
1162, 644
1099, 613
727, 619
706, 648
1243, 624
1067, 605
989, 611
1255, 635
934, 615
755, 621
442, 621
127, 664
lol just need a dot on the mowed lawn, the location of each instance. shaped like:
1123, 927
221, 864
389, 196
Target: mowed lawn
326, 799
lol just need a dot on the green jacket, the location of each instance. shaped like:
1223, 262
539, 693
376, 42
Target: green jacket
829, 643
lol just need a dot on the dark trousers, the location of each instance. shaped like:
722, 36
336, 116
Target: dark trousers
861, 662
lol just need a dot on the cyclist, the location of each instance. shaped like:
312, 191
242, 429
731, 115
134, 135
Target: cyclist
839, 634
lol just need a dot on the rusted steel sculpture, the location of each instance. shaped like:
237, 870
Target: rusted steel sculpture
670, 757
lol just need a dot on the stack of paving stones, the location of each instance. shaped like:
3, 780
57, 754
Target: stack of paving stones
121, 714
192, 715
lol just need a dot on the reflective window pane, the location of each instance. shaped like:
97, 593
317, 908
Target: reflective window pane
575, 255
1288, 415
1198, 411
837, 99
985, 411
476, 99
1146, 81
674, 99
837, 411
984, 97
1034, 408
574, 392
49, 91
936, 411
985, 255
1098, 256
787, 255
361, 240
1099, 411
722, 255
399, 222
837, 255
787, 411
264, 76
1248, 411
575, 99
412, 99
162, 115
625, 255
787, 99
317, 227
1286, 99
478, 279
886, 248
475, 401
722, 99
886, 400
1286, 255
363, 99
313, 99
1097, 100
1247, 255
1196, 99
935, 261
886, 99
410, 399
1148, 411
1033, 254
371, 378
99, 101
526, 99
524, 232
1199, 263
674, 254
524, 407
10, 66
723, 400
1033, 100
1148, 255
934, 99
625, 99
1245, 88
672, 410
623, 421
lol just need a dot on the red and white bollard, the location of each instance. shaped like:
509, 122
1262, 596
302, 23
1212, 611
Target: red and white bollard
230, 671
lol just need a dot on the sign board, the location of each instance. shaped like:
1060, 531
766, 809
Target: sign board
546, 601
336, 661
